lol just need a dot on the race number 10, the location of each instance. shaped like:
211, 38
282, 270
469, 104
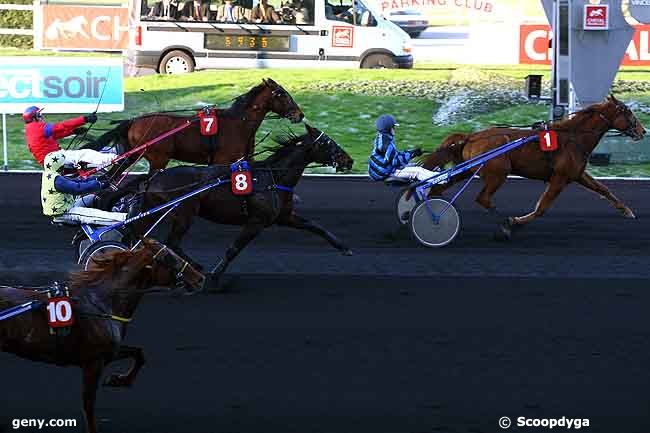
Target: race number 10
59, 312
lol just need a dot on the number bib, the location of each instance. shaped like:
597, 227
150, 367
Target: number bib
208, 121
241, 181
59, 312
547, 140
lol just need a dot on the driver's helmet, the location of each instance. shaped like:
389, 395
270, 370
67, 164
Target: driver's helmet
32, 113
385, 123
54, 161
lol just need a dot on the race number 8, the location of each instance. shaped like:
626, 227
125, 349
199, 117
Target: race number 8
241, 182
59, 312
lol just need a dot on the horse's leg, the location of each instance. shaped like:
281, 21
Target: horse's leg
492, 182
181, 223
92, 370
592, 184
125, 380
553, 189
249, 232
300, 223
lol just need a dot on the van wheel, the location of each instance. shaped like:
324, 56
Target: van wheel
378, 61
176, 62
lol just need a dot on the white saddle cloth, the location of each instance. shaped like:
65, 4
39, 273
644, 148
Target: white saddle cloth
92, 216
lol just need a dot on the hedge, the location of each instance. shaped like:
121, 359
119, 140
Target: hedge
16, 20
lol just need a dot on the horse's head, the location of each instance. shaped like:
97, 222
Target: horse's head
165, 267
324, 150
621, 118
152, 264
281, 103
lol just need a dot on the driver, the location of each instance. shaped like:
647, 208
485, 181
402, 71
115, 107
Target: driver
58, 195
385, 160
41, 138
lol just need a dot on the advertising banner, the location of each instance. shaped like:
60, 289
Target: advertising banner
534, 45
61, 85
85, 27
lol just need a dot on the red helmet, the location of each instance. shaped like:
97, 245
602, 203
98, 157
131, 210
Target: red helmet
32, 113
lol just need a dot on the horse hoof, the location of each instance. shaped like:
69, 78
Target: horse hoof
347, 252
116, 381
211, 284
627, 213
504, 233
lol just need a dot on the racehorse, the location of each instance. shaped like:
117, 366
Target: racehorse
577, 136
235, 136
106, 297
270, 203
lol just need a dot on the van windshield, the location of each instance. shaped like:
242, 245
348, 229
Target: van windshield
353, 12
289, 12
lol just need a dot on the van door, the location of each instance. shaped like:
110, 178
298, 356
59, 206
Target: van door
352, 29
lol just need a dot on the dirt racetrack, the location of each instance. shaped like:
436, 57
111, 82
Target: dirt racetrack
397, 338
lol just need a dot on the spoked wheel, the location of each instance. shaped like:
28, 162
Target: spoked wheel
99, 248
404, 207
80, 243
435, 222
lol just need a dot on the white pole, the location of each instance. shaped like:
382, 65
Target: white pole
4, 140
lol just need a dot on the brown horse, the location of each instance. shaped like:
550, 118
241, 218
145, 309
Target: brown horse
237, 126
577, 136
105, 299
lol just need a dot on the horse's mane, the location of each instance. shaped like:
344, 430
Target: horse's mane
284, 142
106, 267
573, 119
242, 102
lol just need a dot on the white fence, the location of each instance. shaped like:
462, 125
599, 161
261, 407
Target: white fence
14, 31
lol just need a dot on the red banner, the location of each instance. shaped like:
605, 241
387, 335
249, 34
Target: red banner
85, 27
534, 46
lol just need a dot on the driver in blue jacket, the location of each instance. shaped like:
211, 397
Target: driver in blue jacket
386, 161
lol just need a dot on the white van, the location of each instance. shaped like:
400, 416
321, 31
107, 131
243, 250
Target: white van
173, 37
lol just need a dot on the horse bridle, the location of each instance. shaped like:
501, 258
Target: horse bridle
333, 148
175, 264
632, 124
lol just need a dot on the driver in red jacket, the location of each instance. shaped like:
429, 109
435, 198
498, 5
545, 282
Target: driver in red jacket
41, 138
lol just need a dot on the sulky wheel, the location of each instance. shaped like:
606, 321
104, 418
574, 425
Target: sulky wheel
80, 243
403, 207
435, 222
99, 248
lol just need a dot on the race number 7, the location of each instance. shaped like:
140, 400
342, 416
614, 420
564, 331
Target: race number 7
208, 121
59, 312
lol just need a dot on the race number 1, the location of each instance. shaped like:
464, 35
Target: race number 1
547, 140
209, 122
59, 312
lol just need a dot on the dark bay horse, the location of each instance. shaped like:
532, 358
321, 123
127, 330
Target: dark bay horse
270, 203
106, 296
577, 136
235, 137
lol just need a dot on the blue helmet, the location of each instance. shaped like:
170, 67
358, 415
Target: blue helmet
32, 113
385, 123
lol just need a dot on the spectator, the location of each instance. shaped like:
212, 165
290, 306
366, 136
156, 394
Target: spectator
166, 9
229, 13
264, 13
193, 11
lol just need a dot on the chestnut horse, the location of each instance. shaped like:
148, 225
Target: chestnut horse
237, 126
105, 299
577, 136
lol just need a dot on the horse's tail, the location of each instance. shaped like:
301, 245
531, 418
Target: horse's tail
117, 136
451, 150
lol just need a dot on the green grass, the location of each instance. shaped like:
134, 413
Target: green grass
344, 113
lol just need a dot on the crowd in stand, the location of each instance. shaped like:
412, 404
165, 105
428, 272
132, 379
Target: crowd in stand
231, 11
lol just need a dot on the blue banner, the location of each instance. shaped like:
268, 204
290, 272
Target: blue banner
61, 84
